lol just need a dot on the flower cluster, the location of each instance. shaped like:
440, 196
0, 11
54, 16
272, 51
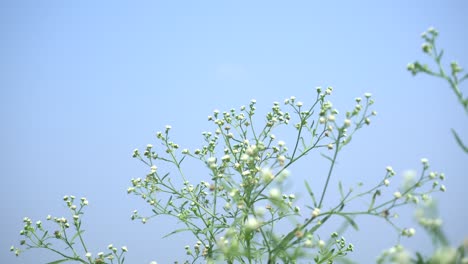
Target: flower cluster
67, 232
233, 212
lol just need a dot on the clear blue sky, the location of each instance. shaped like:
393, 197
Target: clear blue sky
83, 83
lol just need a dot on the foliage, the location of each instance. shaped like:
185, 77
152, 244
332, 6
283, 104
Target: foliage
240, 213
426, 214
36, 236
454, 78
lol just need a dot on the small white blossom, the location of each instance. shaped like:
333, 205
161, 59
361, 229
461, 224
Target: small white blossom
275, 193
252, 223
397, 195
316, 212
347, 123
321, 243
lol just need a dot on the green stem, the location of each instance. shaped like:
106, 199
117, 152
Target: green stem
335, 155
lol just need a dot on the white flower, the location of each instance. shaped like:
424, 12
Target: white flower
88, 255
386, 182
316, 212
124, 249
397, 195
267, 175
321, 243
281, 159
252, 223
226, 158
347, 123
275, 193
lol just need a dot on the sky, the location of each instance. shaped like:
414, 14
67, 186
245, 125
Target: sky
83, 83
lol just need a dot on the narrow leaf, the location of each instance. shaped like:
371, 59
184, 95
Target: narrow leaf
440, 55
351, 222
463, 78
182, 159
76, 235
459, 141
373, 200
45, 234
176, 231
58, 261
310, 193
325, 156
340, 187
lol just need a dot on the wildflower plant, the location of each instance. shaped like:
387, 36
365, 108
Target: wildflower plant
236, 213
239, 212
426, 212
66, 239
454, 76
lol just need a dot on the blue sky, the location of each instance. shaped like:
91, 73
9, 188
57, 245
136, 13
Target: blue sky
83, 83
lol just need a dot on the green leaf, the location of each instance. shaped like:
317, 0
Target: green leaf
440, 55
377, 193
45, 234
177, 231
463, 78
58, 261
340, 187
310, 193
76, 235
165, 175
347, 140
351, 222
325, 156
459, 141
182, 159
